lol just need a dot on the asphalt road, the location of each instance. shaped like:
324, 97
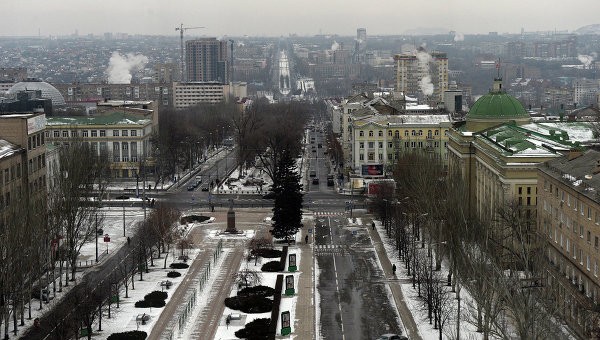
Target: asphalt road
354, 301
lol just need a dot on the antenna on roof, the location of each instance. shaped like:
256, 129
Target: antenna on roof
498, 67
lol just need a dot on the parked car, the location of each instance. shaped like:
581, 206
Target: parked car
315, 181
390, 336
204, 187
190, 187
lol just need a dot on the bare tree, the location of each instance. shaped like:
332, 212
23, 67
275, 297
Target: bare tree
247, 278
257, 244
83, 176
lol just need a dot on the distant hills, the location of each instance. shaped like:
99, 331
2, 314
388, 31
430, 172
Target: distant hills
589, 29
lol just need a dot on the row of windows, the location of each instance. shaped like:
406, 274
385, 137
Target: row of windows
92, 133
35, 140
396, 133
371, 145
10, 174
577, 205
38, 184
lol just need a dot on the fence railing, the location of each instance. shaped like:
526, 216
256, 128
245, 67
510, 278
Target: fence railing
186, 310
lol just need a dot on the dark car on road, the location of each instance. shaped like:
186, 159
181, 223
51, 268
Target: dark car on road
204, 187
390, 336
315, 181
191, 187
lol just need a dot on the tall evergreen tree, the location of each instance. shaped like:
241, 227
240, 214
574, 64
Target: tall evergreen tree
287, 209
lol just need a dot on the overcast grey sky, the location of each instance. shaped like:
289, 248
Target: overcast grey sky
281, 17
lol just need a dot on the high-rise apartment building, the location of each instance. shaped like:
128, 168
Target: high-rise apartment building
206, 60
422, 75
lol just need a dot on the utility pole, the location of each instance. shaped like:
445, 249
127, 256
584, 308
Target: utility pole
181, 29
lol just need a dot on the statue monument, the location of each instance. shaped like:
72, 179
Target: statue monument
231, 219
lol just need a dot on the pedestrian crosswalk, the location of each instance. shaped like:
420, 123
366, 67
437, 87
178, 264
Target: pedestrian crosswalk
329, 249
329, 213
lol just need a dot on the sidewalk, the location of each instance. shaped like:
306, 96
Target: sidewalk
304, 319
405, 314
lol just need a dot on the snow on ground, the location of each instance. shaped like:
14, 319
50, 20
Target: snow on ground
288, 303
415, 304
247, 183
124, 318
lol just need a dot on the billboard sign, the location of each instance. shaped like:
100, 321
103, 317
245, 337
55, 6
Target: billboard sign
369, 170
35, 124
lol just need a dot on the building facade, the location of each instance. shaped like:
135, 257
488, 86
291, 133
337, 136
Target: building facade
206, 60
193, 93
569, 221
123, 137
23, 133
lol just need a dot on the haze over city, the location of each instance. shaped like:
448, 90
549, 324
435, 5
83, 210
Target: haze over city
274, 18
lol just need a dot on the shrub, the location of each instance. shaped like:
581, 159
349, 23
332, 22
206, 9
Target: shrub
179, 265
193, 218
268, 253
249, 304
131, 335
257, 329
273, 266
173, 273
263, 291
154, 299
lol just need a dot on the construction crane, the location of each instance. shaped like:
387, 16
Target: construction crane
181, 29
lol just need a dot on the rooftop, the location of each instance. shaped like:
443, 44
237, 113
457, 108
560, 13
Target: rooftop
114, 118
582, 172
7, 148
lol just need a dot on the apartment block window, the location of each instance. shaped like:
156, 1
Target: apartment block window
581, 257
589, 236
371, 145
102, 133
361, 157
361, 145
568, 245
428, 133
390, 145
115, 133
124, 133
396, 134
405, 133
528, 190
413, 144
73, 133
420, 132
389, 157
581, 230
437, 132
406, 145
390, 133
380, 133
133, 133
133, 150
370, 133
381, 145
413, 133
380, 156
596, 241
94, 133
420, 144
589, 213
65, 134
84, 133
581, 208
371, 156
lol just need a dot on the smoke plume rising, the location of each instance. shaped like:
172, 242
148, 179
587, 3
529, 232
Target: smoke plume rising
120, 67
423, 60
586, 60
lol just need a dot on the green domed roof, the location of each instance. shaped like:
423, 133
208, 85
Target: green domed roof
497, 105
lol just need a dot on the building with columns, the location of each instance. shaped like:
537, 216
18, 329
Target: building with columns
123, 137
498, 147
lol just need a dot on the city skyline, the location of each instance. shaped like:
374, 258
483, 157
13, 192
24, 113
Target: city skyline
273, 18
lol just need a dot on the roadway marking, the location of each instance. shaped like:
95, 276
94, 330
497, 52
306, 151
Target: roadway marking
337, 285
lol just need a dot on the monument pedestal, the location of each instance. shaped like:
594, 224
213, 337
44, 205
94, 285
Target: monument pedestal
231, 222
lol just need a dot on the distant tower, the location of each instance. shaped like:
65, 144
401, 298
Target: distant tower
360, 45
206, 60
